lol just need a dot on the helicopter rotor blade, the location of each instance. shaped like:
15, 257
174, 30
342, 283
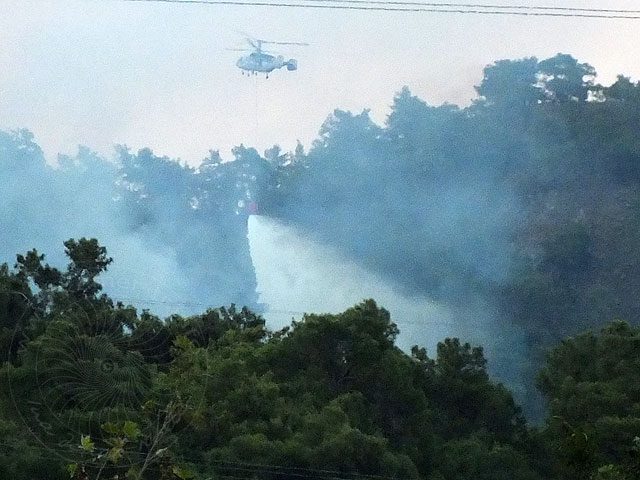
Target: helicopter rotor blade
251, 40
246, 35
301, 44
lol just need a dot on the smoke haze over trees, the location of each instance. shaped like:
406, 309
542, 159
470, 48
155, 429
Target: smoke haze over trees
519, 212
174, 229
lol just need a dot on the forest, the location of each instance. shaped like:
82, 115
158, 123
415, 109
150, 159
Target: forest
520, 212
92, 389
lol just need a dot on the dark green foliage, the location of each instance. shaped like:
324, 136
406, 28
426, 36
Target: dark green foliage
592, 384
218, 391
511, 84
565, 79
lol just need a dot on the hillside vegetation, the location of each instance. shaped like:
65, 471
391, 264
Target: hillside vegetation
91, 389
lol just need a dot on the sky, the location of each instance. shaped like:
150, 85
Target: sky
106, 72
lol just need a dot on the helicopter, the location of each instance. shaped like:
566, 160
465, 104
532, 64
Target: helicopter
262, 61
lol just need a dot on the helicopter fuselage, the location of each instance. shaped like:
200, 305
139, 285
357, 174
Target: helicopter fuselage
265, 63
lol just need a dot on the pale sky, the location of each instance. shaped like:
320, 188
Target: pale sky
106, 72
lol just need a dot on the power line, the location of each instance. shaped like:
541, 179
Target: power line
478, 5
143, 301
256, 468
430, 322
459, 323
138, 302
379, 6
333, 473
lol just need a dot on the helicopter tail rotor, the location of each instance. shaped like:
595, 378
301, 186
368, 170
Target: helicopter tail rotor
292, 64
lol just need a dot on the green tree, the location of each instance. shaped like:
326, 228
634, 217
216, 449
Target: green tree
592, 385
565, 79
511, 84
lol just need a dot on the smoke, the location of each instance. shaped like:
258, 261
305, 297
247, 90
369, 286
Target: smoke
419, 223
180, 236
168, 256
484, 222
297, 275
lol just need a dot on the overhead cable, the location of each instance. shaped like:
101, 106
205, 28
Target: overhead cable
398, 6
477, 5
